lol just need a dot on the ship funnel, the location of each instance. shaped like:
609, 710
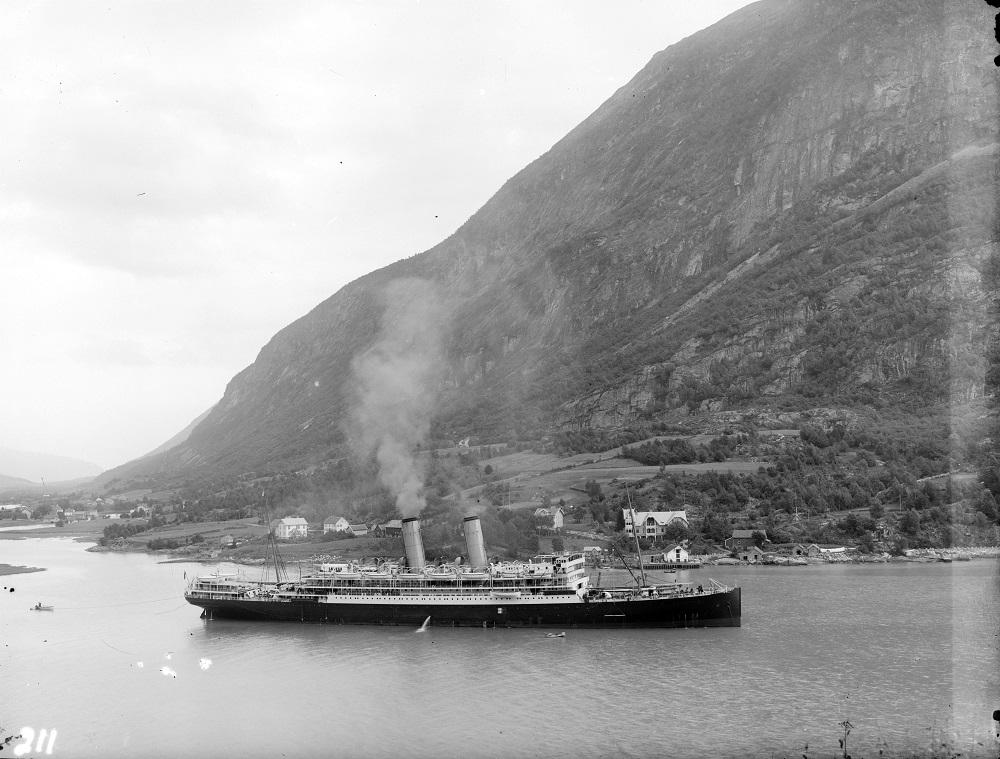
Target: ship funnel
413, 543
474, 541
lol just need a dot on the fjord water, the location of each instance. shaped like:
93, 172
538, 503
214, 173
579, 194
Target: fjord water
908, 653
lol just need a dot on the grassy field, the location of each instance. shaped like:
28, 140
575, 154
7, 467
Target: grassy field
33, 528
530, 475
212, 532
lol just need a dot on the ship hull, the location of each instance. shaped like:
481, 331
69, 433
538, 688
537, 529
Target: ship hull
720, 609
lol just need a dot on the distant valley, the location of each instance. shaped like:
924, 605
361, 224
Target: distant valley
23, 467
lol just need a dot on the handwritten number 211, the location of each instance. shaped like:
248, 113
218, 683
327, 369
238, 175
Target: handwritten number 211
28, 737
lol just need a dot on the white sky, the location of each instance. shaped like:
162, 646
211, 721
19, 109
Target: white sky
180, 180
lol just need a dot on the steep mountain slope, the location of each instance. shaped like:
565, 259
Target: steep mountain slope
792, 208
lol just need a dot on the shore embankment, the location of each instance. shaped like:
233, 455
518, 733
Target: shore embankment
962, 553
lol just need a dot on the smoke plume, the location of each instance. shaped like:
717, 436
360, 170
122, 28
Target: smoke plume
397, 381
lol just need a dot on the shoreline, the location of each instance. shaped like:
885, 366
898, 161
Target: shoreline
203, 555
18, 569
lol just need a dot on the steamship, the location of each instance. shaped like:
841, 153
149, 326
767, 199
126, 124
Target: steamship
551, 590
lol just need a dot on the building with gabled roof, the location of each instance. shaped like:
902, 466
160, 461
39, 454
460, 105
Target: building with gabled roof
742, 539
554, 516
676, 553
336, 524
292, 527
653, 524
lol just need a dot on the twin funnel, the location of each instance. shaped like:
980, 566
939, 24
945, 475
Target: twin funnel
474, 542
414, 544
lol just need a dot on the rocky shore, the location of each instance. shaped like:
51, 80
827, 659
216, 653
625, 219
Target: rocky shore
919, 555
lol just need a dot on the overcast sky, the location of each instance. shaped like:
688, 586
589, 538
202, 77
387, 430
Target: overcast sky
180, 180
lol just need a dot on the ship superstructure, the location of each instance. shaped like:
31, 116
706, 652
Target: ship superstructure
549, 590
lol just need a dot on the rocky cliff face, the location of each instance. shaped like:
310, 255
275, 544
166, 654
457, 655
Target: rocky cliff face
795, 205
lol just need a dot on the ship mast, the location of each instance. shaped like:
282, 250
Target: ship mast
271, 549
635, 534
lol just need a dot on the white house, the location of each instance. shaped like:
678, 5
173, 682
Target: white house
358, 530
555, 514
336, 524
653, 524
292, 527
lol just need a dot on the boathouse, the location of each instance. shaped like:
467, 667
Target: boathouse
752, 553
676, 553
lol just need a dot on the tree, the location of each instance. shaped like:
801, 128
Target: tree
876, 510
900, 546
910, 522
676, 532
42, 511
558, 544
850, 525
620, 520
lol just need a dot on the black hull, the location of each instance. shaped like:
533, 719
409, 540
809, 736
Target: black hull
720, 609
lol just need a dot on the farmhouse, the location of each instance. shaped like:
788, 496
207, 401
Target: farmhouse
553, 517
335, 524
292, 527
742, 539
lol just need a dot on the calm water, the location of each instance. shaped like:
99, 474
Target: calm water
908, 653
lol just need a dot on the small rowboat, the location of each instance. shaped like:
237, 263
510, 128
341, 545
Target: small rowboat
40, 607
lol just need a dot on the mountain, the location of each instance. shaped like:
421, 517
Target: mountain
23, 465
790, 212
179, 438
16, 483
